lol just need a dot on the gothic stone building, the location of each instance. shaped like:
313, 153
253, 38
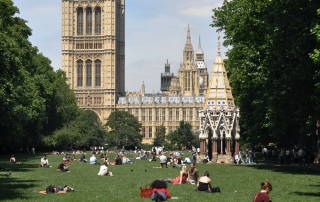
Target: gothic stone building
93, 51
93, 47
181, 96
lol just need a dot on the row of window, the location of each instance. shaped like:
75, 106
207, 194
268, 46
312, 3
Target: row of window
88, 45
146, 115
89, 75
89, 100
89, 20
146, 131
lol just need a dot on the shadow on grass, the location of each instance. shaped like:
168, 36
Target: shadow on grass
26, 162
307, 194
14, 189
289, 169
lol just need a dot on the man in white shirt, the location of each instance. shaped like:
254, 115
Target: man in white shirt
163, 160
187, 160
44, 162
93, 160
103, 170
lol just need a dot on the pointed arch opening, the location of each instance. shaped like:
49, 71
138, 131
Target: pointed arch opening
80, 21
98, 20
89, 73
79, 73
89, 20
98, 72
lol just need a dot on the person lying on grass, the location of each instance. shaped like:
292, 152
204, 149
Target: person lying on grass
181, 178
159, 191
57, 189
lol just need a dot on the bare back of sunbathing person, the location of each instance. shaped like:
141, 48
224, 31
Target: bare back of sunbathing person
13, 160
57, 190
204, 183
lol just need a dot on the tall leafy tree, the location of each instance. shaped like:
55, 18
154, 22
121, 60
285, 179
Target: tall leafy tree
21, 105
86, 130
123, 129
272, 75
183, 136
34, 99
160, 135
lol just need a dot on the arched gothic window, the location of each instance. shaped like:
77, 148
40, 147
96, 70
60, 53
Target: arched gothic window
89, 72
98, 20
80, 21
80, 72
89, 20
98, 72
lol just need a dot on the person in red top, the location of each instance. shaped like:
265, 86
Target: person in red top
181, 178
263, 196
159, 191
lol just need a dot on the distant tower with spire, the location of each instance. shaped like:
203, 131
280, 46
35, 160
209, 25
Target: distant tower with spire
166, 78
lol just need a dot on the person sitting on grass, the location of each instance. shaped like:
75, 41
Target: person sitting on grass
65, 159
181, 178
44, 162
163, 160
83, 158
266, 188
192, 174
124, 159
159, 191
93, 160
206, 159
104, 170
62, 167
187, 160
204, 183
106, 160
13, 160
73, 158
117, 160
177, 163
102, 157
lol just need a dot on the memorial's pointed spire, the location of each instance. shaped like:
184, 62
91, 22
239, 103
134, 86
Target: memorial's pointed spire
219, 93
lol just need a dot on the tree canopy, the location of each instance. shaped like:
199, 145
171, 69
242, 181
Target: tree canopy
123, 130
82, 132
270, 69
183, 136
34, 99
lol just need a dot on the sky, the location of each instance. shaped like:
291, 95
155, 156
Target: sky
155, 31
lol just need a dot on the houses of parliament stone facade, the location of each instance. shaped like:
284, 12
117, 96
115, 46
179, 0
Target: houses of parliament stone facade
93, 47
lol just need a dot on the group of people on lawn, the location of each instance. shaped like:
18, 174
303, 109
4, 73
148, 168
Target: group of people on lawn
159, 187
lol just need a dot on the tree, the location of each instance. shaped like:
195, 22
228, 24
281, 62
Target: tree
34, 99
183, 136
269, 67
86, 130
160, 135
123, 129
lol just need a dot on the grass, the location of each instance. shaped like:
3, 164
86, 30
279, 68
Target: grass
237, 182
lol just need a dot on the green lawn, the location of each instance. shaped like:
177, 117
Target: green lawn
237, 182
